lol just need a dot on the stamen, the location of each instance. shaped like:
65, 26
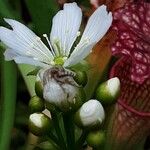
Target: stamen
78, 33
49, 43
38, 38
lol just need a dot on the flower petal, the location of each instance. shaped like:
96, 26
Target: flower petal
96, 28
66, 24
10, 54
24, 42
77, 57
13, 55
30, 61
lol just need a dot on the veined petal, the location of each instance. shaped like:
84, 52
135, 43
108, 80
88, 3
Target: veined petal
30, 61
96, 28
66, 24
24, 42
74, 59
10, 54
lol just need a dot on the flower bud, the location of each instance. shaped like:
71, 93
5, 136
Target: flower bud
39, 124
61, 90
96, 139
90, 115
108, 92
81, 78
36, 104
38, 87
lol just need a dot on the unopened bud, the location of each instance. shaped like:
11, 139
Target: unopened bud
81, 78
36, 104
90, 115
38, 87
39, 124
108, 92
96, 139
61, 90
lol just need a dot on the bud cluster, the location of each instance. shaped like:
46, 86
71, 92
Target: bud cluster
61, 90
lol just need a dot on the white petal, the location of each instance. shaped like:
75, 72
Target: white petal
66, 24
77, 57
96, 28
30, 61
10, 54
24, 41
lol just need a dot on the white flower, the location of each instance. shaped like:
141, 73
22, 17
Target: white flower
91, 114
26, 47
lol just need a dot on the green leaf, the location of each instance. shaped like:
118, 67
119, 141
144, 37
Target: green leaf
8, 87
33, 72
82, 66
30, 81
5, 9
42, 12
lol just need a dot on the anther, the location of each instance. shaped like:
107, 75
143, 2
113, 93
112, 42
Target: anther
78, 33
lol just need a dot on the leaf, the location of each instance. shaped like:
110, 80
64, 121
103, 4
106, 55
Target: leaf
8, 87
5, 9
82, 66
42, 12
30, 81
33, 72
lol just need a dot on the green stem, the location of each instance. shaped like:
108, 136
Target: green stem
69, 129
53, 138
81, 140
58, 130
8, 87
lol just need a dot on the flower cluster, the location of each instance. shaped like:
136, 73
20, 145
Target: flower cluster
58, 85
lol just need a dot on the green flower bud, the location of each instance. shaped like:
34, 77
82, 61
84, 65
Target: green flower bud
90, 115
38, 87
81, 78
108, 92
39, 124
36, 104
96, 139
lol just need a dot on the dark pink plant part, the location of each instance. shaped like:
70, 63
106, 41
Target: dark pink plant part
130, 121
134, 96
132, 24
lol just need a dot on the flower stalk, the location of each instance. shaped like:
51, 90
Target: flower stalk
58, 130
69, 130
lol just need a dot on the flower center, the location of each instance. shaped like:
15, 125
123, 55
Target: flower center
59, 60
